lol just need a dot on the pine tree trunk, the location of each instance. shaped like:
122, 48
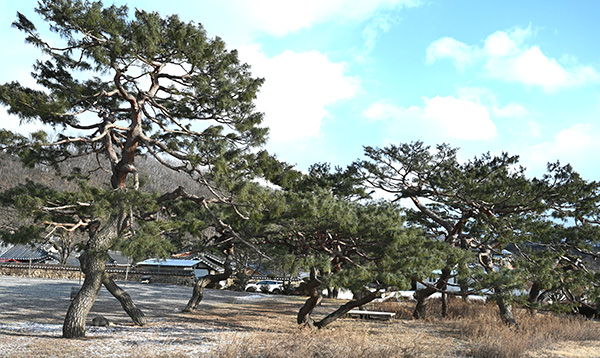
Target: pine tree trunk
124, 298
506, 314
340, 312
198, 292
423, 294
444, 304
314, 297
92, 264
534, 294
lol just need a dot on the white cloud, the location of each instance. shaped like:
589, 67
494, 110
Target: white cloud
576, 145
371, 32
441, 117
511, 110
383, 111
298, 87
503, 43
461, 54
461, 119
278, 18
506, 57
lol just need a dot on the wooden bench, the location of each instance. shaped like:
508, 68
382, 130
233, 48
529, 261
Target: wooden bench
370, 314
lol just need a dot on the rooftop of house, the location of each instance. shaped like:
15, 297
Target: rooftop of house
24, 253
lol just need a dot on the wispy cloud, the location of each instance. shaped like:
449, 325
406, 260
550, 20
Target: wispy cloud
506, 56
461, 54
577, 145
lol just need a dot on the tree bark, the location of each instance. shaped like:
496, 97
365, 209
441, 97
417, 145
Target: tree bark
198, 293
92, 264
345, 308
505, 308
135, 313
534, 294
444, 304
314, 296
423, 294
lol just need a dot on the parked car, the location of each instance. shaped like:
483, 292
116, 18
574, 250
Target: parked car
267, 286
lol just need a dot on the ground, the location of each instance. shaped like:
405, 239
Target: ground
227, 324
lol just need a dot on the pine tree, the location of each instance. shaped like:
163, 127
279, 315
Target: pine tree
484, 205
116, 88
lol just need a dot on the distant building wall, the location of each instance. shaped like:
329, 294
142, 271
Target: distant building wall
73, 272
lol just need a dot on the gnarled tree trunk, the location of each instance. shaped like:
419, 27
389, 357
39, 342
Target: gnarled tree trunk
534, 294
92, 265
505, 308
314, 297
423, 294
198, 293
135, 313
340, 312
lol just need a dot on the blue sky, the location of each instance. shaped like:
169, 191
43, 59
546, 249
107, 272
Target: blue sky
515, 76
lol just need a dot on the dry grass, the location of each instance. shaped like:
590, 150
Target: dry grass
490, 339
322, 344
479, 326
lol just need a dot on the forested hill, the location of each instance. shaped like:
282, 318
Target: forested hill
153, 178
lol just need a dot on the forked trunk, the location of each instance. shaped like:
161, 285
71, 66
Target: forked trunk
92, 264
421, 297
340, 312
135, 313
198, 293
93, 261
423, 294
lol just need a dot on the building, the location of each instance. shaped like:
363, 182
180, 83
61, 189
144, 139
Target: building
24, 253
199, 266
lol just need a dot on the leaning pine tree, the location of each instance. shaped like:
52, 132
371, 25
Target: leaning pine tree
483, 206
117, 88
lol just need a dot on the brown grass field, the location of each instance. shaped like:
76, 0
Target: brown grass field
237, 324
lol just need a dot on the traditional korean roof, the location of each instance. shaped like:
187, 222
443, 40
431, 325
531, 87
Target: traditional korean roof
117, 258
213, 261
4, 247
24, 253
170, 262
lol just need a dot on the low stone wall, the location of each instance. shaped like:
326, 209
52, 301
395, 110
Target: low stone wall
40, 271
73, 272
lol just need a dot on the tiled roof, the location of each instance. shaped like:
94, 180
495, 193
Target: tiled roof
209, 260
4, 247
117, 258
24, 253
170, 262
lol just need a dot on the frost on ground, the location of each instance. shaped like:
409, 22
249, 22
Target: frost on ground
32, 311
118, 341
